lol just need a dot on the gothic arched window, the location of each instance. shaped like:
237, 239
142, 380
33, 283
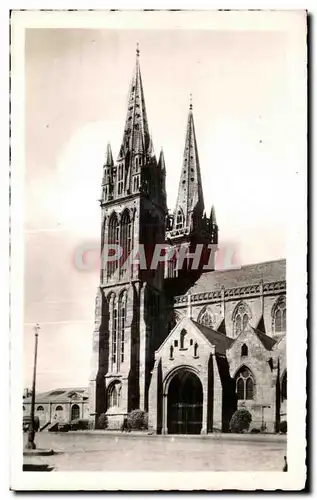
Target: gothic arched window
284, 387
125, 238
179, 219
113, 329
113, 239
279, 315
120, 179
114, 395
206, 317
122, 322
241, 317
244, 384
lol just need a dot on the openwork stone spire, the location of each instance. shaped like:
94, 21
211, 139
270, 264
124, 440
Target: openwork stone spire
190, 199
136, 137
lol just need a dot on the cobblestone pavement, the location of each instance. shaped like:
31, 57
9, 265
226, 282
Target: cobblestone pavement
124, 452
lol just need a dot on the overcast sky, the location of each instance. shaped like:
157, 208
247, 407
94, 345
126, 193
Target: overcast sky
245, 89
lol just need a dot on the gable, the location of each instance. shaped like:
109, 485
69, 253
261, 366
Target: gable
192, 334
252, 337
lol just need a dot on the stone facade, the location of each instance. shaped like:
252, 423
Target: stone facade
187, 345
61, 405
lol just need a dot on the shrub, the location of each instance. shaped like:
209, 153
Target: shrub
255, 431
63, 427
283, 427
240, 421
138, 420
79, 424
102, 421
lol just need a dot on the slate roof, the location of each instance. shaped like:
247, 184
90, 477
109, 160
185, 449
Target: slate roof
219, 340
60, 395
279, 340
267, 341
271, 271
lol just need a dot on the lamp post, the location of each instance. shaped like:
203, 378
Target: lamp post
30, 445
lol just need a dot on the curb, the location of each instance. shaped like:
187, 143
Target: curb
38, 453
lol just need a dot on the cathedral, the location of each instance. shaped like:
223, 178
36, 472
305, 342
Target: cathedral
184, 342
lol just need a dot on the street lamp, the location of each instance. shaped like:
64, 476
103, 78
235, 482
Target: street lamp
30, 445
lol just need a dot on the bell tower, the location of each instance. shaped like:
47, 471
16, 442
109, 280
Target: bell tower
129, 303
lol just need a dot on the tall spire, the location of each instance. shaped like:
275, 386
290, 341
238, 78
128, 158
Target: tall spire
136, 131
213, 219
161, 162
190, 194
109, 159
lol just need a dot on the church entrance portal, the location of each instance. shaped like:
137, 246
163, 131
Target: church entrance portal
185, 404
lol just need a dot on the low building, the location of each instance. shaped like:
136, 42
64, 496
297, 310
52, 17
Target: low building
63, 405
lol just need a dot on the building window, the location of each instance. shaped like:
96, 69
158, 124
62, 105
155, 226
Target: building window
120, 179
279, 315
179, 219
59, 408
176, 343
122, 322
40, 409
196, 350
284, 388
241, 318
244, 384
114, 395
113, 239
125, 238
171, 352
206, 317
182, 339
244, 350
114, 336
75, 412
23, 408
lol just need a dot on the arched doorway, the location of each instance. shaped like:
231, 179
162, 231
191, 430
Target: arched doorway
75, 414
184, 404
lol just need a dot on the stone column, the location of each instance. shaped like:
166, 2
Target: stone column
189, 306
164, 426
223, 304
217, 394
204, 427
262, 298
142, 351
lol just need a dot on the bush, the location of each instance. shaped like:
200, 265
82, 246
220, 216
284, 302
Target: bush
138, 420
102, 421
63, 427
79, 424
255, 431
240, 421
283, 427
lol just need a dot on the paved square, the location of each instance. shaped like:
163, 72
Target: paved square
124, 452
